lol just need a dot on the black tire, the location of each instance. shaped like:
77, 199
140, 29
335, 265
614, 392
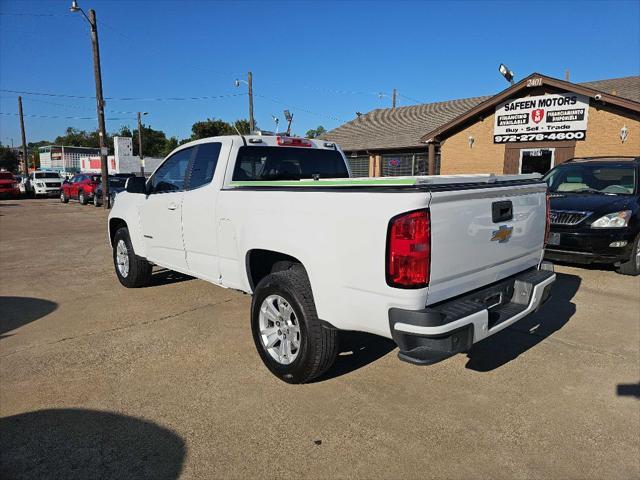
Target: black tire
82, 198
318, 344
139, 274
96, 201
64, 198
631, 266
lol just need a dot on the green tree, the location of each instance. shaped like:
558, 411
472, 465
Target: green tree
213, 127
210, 127
169, 145
81, 138
316, 132
8, 159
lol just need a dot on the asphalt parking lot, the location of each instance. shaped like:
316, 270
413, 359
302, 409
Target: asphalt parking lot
98, 381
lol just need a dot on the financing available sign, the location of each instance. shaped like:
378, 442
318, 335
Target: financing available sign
544, 117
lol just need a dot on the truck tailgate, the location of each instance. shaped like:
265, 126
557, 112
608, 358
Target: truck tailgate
476, 241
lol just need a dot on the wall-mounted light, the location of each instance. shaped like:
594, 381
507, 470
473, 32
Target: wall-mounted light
471, 140
624, 133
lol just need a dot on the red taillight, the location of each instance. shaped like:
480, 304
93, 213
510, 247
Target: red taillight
294, 142
547, 227
409, 250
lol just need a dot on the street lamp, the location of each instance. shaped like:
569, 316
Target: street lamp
249, 82
102, 133
506, 73
140, 141
276, 120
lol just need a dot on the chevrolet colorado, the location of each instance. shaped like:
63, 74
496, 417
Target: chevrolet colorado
435, 263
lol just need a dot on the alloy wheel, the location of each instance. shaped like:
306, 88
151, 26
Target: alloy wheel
279, 326
122, 258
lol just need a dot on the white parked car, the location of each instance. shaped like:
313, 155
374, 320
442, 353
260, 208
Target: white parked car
435, 263
44, 183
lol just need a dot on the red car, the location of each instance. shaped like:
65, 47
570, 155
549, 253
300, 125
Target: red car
9, 185
81, 187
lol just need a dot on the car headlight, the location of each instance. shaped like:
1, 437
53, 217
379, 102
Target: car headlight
613, 220
39, 184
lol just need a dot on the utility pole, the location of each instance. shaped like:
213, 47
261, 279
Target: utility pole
140, 145
100, 107
24, 139
393, 98
252, 123
102, 133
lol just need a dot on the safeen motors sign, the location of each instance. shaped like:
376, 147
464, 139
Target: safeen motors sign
544, 117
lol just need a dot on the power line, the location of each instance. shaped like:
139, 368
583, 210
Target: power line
87, 97
63, 117
293, 107
80, 107
6, 14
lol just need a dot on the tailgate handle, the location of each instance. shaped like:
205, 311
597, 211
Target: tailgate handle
501, 211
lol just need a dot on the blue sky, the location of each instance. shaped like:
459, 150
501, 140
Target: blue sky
322, 60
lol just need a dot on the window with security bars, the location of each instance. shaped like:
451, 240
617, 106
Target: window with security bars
359, 165
405, 164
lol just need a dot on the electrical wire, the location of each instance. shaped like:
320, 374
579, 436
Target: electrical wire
145, 99
293, 107
63, 117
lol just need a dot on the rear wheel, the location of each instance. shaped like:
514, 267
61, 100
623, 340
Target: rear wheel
96, 201
632, 266
291, 341
82, 198
132, 271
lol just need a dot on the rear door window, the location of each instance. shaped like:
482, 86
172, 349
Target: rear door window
288, 163
204, 164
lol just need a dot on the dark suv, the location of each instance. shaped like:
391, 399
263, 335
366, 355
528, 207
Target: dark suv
595, 212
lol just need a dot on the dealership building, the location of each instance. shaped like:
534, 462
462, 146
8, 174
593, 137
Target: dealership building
529, 127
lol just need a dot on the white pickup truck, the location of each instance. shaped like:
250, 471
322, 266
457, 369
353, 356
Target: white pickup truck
435, 263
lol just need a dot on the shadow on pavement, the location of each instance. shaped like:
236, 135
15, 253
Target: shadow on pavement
604, 267
357, 349
628, 390
82, 444
511, 342
18, 311
166, 277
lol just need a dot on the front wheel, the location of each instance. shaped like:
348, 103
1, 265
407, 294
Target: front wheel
291, 341
632, 266
63, 198
96, 201
132, 271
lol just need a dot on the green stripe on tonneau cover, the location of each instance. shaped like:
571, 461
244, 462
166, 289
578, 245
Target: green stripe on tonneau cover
339, 182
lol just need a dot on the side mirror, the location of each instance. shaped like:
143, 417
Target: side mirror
136, 185
65, 181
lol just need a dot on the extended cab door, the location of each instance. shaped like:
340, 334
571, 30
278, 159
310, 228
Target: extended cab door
161, 212
199, 227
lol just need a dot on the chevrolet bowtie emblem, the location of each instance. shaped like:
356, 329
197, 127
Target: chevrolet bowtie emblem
502, 235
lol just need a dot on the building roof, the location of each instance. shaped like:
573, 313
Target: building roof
403, 127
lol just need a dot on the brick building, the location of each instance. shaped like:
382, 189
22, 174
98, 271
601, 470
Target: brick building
528, 127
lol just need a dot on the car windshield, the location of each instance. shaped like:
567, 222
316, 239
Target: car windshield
46, 175
6, 176
286, 163
598, 178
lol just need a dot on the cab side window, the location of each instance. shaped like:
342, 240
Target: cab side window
170, 177
204, 164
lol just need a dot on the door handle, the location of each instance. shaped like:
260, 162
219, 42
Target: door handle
172, 206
